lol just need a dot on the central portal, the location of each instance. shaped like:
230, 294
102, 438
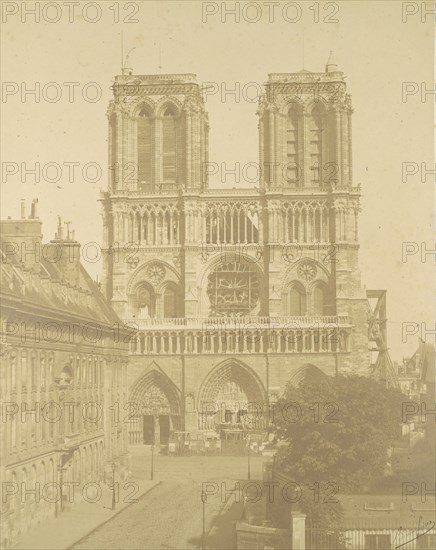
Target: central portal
148, 429
156, 428
229, 396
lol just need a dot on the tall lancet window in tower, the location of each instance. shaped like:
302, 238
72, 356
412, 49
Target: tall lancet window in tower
169, 127
144, 150
114, 168
292, 166
316, 127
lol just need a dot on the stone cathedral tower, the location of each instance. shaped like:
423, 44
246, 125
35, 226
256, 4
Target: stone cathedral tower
305, 149
234, 292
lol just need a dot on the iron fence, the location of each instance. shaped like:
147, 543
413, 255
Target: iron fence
378, 536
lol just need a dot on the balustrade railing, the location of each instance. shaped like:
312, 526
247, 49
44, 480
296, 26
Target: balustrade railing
221, 340
310, 321
139, 189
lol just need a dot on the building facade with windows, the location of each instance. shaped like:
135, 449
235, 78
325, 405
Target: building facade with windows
234, 292
64, 369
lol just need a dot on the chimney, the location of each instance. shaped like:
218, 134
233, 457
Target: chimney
65, 254
331, 65
21, 240
34, 210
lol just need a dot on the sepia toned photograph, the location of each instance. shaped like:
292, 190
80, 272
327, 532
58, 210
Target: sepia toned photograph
217, 275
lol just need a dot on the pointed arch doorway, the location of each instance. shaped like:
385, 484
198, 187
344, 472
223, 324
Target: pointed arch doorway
232, 397
156, 410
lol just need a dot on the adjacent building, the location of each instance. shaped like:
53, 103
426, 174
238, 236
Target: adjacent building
64, 372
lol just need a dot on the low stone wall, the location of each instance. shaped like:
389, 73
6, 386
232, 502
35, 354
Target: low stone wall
257, 537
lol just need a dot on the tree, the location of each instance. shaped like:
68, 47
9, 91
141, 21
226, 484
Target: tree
337, 430
417, 464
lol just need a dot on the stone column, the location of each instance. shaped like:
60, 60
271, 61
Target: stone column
272, 155
280, 225
117, 161
170, 241
306, 161
261, 153
338, 145
344, 149
187, 225
298, 529
322, 238
156, 429
204, 218
350, 158
224, 215
188, 137
154, 343
356, 224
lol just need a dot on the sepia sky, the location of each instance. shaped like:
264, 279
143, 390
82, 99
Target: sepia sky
373, 46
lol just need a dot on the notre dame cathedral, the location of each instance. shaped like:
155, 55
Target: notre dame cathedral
234, 292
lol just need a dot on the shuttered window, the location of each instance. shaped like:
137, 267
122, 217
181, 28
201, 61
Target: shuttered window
292, 168
316, 129
144, 150
169, 147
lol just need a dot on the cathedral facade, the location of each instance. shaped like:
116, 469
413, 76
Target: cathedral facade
232, 293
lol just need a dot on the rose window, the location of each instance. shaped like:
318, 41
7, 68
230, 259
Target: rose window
233, 289
306, 271
156, 274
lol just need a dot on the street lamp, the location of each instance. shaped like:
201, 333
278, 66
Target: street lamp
114, 466
61, 483
152, 462
203, 534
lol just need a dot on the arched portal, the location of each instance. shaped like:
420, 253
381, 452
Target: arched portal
232, 398
154, 409
305, 373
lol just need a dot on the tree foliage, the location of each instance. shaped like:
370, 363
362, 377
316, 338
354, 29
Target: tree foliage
337, 429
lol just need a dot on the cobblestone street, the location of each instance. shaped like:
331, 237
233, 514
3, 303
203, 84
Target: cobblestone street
197, 468
170, 516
